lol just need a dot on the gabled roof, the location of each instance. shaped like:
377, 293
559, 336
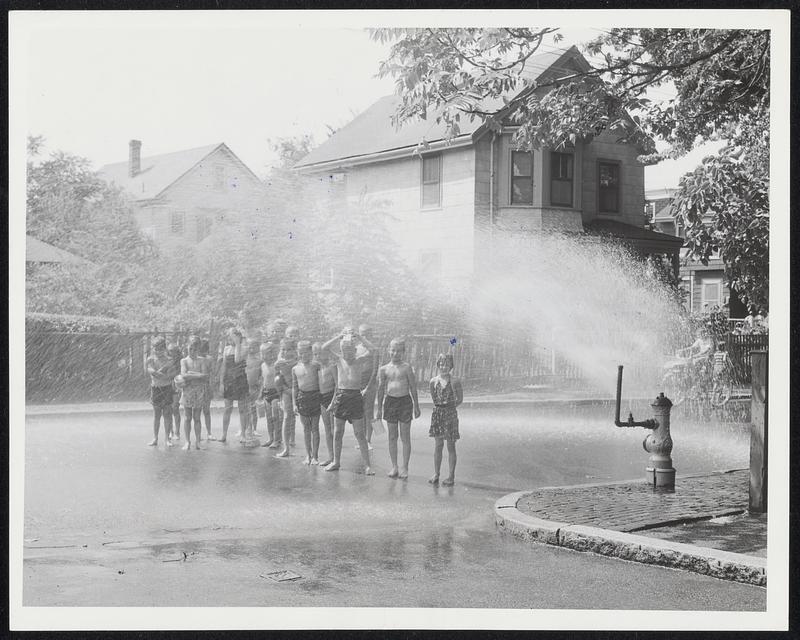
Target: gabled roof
372, 131
38, 251
159, 172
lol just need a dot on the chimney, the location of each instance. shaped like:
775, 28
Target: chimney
134, 157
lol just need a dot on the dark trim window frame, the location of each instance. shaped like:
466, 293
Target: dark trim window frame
521, 178
177, 223
431, 181
608, 186
562, 179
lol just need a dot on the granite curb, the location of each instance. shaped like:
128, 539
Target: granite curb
726, 565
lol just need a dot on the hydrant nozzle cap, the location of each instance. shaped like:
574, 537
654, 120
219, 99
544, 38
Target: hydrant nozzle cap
661, 401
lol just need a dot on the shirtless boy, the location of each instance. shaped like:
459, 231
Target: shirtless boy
287, 358
327, 386
270, 395
397, 401
194, 370
348, 401
306, 399
162, 371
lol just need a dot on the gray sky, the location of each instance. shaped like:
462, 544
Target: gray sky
92, 85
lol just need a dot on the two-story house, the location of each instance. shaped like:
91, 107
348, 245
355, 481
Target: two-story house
449, 197
704, 284
178, 196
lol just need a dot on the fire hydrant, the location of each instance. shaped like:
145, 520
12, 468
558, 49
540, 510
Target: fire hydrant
658, 443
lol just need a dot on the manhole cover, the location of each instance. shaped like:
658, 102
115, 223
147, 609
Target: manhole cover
281, 576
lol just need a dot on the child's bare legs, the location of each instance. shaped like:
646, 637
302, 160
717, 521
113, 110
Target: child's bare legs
437, 460
167, 413
253, 412
361, 436
306, 422
315, 439
243, 409
226, 419
451, 461
187, 428
326, 423
392, 434
337, 445
270, 425
157, 426
288, 423
207, 418
405, 437
196, 411
369, 411
176, 418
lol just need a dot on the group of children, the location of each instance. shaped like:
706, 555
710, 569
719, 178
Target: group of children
285, 376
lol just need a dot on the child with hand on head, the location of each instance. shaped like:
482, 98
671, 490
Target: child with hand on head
447, 394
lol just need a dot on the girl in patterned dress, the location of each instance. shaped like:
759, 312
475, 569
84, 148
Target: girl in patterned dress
447, 394
194, 371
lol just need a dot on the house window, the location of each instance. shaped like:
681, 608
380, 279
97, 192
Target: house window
203, 226
561, 172
430, 263
432, 181
710, 294
177, 223
219, 177
521, 177
608, 187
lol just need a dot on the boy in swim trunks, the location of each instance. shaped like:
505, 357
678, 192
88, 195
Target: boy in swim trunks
162, 371
397, 402
306, 399
287, 358
270, 396
327, 386
348, 401
204, 349
369, 382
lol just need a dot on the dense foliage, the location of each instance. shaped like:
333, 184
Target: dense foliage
679, 86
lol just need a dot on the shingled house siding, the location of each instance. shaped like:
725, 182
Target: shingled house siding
605, 147
448, 229
197, 195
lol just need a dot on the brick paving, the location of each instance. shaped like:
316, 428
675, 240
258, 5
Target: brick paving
635, 506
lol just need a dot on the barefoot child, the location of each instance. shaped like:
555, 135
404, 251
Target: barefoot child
162, 371
204, 348
397, 382
287, 358
253, 372
447, 394
233, 382
348, 401
369, 382
306, 399
176, 354
327, 385
270, 395
194, 371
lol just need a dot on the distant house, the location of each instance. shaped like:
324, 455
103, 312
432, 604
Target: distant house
179, 196
447, 198
705, 285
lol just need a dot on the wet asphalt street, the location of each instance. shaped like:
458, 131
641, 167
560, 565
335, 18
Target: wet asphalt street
110, 521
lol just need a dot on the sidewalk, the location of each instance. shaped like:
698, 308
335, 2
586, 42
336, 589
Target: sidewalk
702, 526
538, 397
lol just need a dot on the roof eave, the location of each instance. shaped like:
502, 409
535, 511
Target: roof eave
464, 140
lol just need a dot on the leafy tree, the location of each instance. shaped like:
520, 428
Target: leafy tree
720, 80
